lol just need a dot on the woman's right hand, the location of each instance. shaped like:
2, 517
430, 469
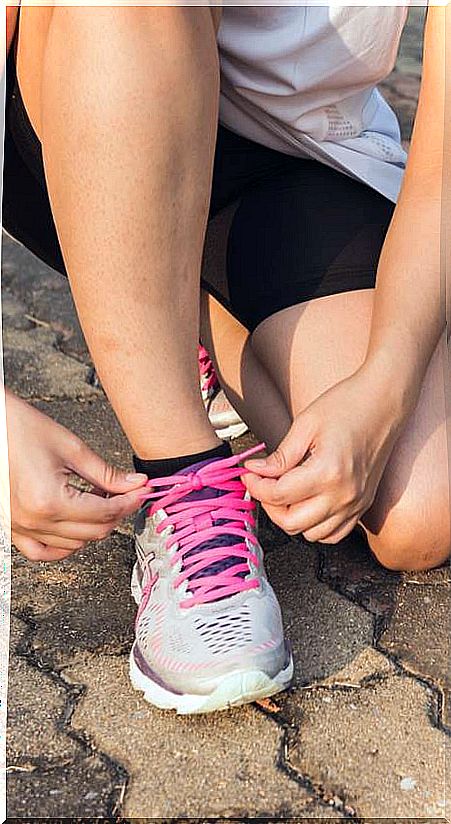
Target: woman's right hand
51, 519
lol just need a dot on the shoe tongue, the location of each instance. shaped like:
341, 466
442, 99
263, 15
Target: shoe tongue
221, 540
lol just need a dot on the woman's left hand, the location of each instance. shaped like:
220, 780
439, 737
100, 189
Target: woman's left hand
325, 473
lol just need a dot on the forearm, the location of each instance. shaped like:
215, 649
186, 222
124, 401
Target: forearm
409, 306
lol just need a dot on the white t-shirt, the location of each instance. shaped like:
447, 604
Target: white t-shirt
302, 80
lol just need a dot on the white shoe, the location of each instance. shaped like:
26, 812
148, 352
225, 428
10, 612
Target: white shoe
223, 417
209, 631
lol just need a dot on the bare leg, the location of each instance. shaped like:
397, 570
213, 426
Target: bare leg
311, 347
128, 148
306, 350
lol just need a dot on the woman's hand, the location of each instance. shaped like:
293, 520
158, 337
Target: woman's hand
325, 473
50, 518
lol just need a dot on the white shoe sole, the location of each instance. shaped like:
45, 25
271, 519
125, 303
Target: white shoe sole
235, 430
234, 690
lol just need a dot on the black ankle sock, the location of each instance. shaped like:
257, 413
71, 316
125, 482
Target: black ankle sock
169, 466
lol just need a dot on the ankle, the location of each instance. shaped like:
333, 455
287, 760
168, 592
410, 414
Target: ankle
162, 467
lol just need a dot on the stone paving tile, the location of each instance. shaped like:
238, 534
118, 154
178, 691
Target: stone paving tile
46, 767
14, 312
315, 812
46, 295
401, 91
33, 737
362, 747
350, 568
368, 664
412, 609
85, 788
93, 420
83, 603
326, 631
402, 86
411, 46
223, 764
418, 634
34, 368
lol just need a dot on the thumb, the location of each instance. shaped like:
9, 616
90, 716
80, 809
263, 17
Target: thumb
92, 468
291, 451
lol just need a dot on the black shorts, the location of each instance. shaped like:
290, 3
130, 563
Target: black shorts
298, 229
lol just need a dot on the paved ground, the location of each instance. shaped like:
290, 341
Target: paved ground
362, 734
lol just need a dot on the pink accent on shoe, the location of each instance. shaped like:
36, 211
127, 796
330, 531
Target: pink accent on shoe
187, 519
207, 371
146, 593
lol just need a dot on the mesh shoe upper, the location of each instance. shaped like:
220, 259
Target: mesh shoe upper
205, 605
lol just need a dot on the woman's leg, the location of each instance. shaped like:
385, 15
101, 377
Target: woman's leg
124, 101
299, 230
307, 349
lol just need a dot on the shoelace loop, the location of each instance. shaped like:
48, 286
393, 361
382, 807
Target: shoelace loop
196, 522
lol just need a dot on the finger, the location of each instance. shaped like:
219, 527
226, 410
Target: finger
57, 541
300, 518
38, 551
73, 531
85, 507
262, 489
294, 448
295, 486
90, 466
331, 531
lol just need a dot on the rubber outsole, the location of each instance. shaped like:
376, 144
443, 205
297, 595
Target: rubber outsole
234, 690
235, 430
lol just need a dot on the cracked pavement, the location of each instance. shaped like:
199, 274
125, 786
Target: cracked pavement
362, 734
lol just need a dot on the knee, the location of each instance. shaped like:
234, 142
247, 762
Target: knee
408, 542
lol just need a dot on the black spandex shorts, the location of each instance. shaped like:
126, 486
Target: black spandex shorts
297, 229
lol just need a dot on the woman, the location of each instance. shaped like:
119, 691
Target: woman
110, 140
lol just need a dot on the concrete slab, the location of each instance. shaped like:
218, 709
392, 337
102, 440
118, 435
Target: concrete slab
34, 368
364, 747
46, 294
36, 708
14, 312
351, 569
368, 664
418, 631
85, 790
49, 771
223, 764
83, 603
326, 631
93, 420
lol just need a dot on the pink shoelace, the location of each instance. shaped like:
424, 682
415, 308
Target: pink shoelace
197, 521
207, 371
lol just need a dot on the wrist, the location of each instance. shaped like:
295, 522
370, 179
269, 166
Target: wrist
394, 380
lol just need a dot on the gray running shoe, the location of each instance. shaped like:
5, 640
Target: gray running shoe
209, 630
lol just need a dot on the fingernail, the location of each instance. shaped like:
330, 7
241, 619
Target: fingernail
135, 478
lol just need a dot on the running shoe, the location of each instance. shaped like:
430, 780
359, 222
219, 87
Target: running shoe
223, 417
209, 630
